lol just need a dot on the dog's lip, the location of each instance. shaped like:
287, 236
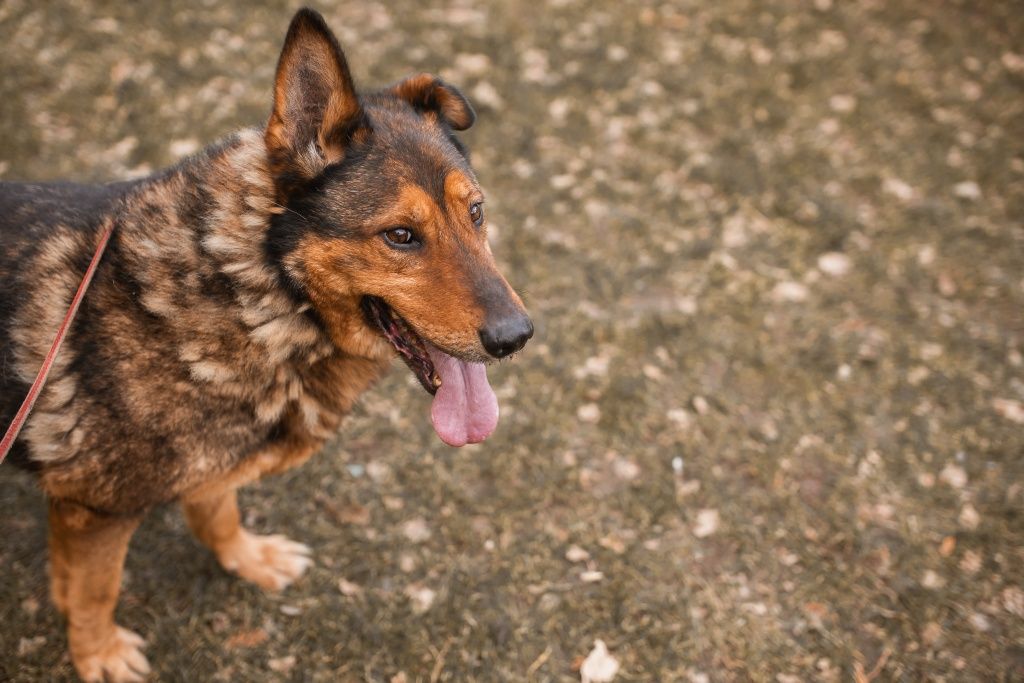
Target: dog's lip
411, 347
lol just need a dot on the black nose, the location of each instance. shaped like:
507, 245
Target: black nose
506, 335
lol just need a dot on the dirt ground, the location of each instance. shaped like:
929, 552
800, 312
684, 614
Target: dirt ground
771, 425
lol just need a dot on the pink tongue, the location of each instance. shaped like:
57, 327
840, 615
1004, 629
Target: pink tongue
465, 409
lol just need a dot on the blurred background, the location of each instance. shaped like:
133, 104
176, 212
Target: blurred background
772, 422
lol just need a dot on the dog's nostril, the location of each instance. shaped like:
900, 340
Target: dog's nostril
507, 335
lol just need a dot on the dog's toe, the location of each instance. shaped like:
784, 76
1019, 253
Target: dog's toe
118, 661
271, 562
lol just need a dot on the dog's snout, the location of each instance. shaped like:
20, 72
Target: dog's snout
507, 334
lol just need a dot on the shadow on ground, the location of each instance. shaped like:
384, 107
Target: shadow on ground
771, 425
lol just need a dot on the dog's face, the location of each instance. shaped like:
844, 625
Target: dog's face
385, 229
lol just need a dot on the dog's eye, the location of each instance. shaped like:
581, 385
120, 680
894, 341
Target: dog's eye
403, 238
476, 213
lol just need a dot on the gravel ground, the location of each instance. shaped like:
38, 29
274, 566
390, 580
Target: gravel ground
771, 425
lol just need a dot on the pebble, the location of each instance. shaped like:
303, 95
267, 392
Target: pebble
599, 666
707, 523
967, 190
416, 530
589, 412
954, 475
834, 263
792, 292
969, 517
576, 554
421, 597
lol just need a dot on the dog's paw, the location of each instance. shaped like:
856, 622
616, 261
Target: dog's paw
271, 562
118, 661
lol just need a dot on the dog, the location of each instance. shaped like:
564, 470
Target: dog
248, 296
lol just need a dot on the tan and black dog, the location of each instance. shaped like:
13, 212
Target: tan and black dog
248, 296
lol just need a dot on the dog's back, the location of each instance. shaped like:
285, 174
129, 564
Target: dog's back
30, 216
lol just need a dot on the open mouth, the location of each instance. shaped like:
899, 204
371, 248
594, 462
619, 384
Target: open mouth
464, 409
410, 345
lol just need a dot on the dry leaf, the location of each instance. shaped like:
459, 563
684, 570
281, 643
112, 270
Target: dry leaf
251, 638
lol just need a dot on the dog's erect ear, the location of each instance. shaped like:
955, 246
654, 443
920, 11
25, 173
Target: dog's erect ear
316, 109
428, 93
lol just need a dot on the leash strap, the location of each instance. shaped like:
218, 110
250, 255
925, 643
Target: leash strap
37, 386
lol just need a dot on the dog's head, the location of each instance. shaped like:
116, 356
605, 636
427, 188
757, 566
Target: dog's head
385, 230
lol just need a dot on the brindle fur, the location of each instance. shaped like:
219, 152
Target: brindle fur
222, 338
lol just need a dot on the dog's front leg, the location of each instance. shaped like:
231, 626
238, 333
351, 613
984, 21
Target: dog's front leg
87, 551
271, 562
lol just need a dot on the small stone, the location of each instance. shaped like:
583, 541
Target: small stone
472, 64
1013, 600
589, 412
27, 646
967, 190
599, 666
757, 608
947, 546
182, 148
1013, 62
559, 109
926, 255
843, 104
378, 471
349, 589
700, 404
290, 610
970, 563
1009, 409
653, 372
416, 530
421, 597
487, 95
707, 523
30, 606
898, 189
576, 554
834, 263
617, 53
591, 576
980, 622
407, 563
282, 664
793, 292
954, 475
595, 366
969, 517
624, 469
614, 543
932, 581
931, 633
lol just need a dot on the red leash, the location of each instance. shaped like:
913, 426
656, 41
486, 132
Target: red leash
51, 355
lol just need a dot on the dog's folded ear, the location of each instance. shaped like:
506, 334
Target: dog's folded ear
316, 108
428, 93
